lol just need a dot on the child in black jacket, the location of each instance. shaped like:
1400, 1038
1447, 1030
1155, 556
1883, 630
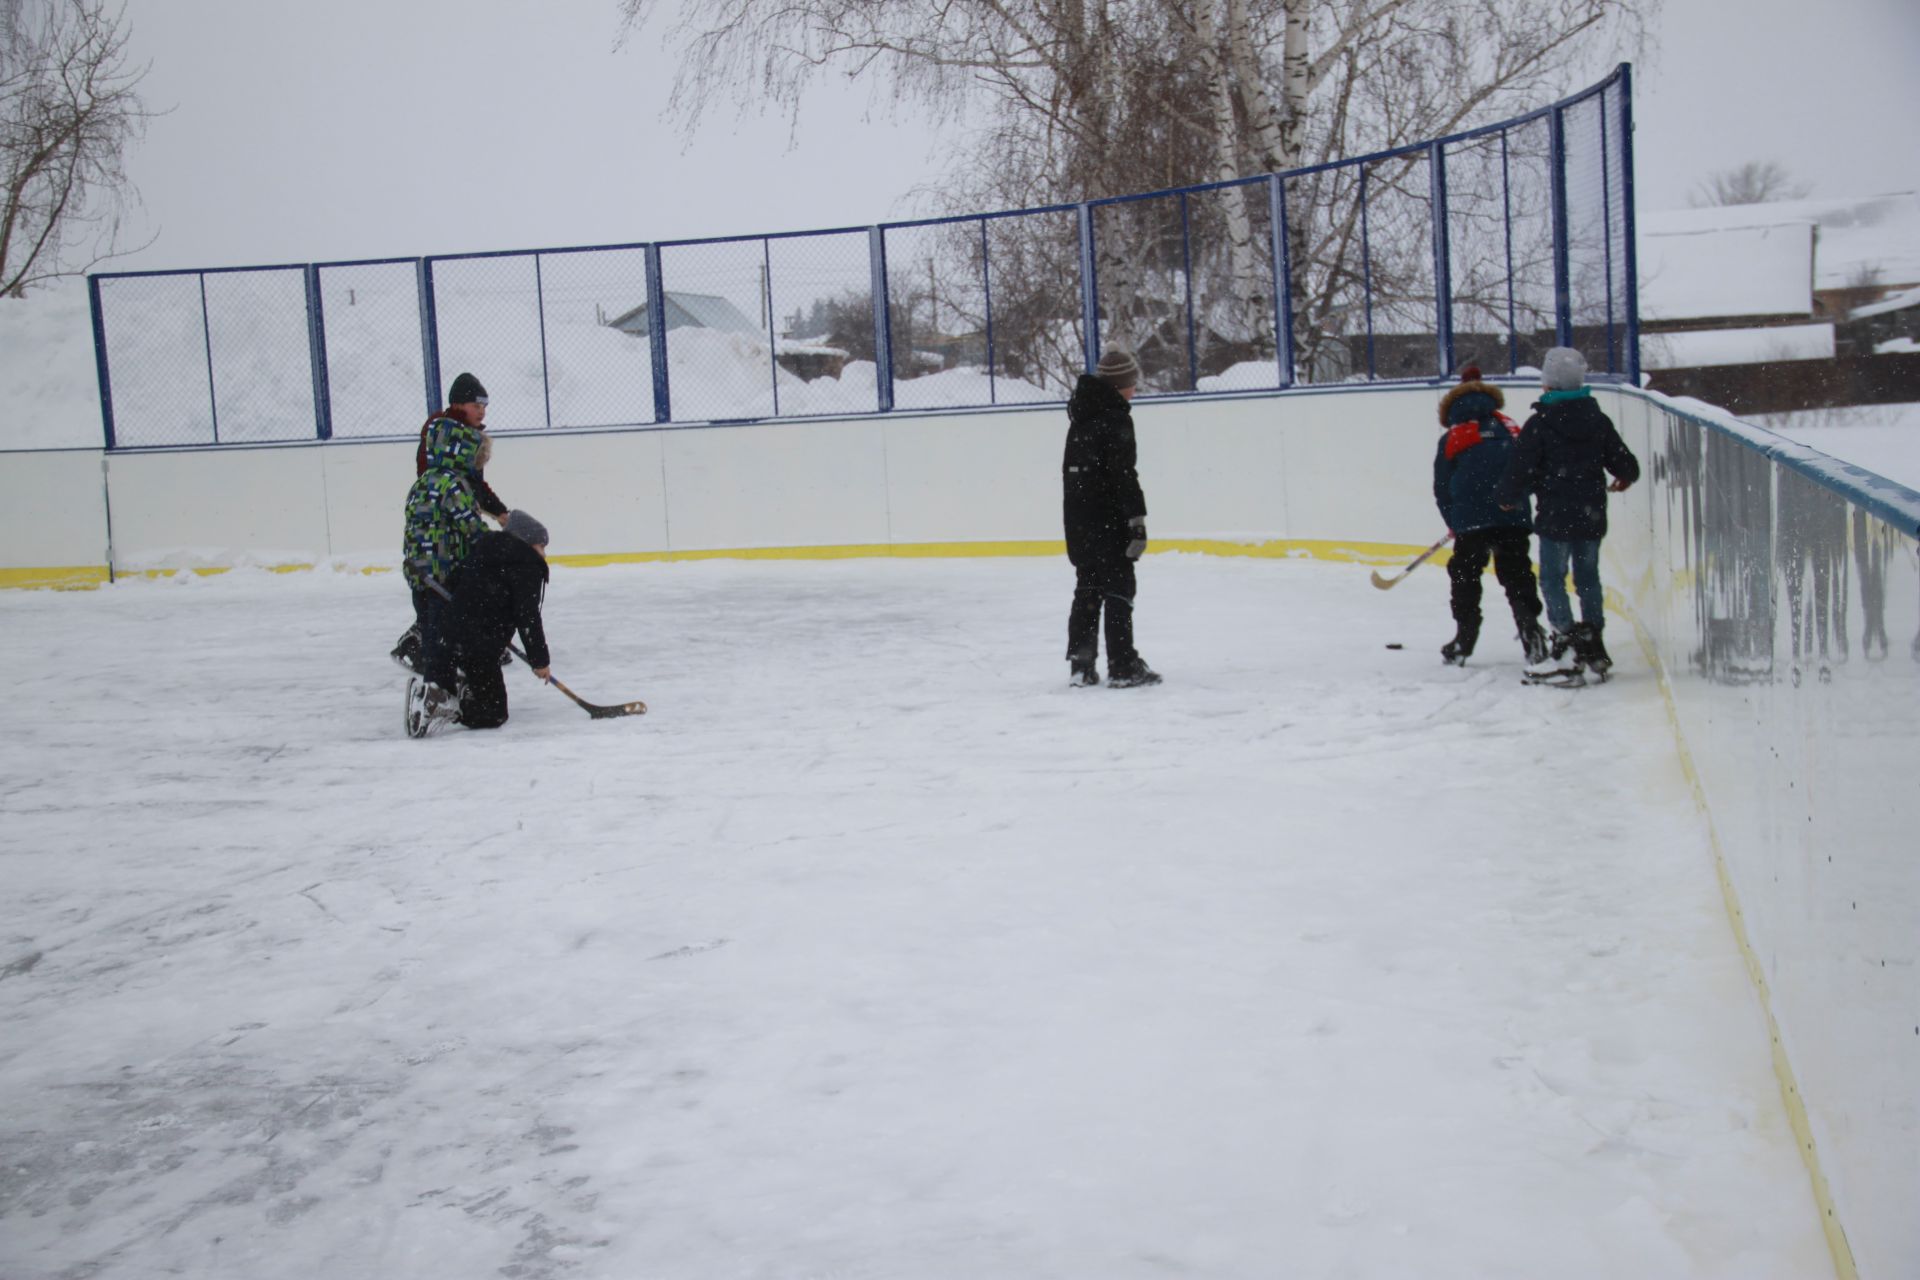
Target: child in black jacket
1566, 451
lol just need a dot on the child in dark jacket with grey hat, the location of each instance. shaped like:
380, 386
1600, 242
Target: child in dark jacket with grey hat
1566, 451
496, 591
1476, 444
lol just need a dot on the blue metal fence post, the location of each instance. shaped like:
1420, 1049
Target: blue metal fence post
1606, 238
1506, 209
986, 291
1366, 270
882, 319
1089, 292
1186, 269
1282, 278
1632, 264
1562, 268
429, 332
317, 353
657, 336
100, 360
1442, 259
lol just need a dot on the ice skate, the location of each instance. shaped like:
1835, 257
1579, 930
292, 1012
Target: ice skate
1131, 675
1082, 674
1533, 643
406, 651
1456, 651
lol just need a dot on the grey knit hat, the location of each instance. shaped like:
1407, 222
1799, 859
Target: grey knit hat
526, 528
1119, 368
1563, 369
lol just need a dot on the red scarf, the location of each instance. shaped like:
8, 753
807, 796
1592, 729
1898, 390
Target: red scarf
1462, 436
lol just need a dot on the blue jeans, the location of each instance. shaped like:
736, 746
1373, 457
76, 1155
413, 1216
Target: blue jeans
1584, 556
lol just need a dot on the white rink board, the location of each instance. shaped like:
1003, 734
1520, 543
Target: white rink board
53, 512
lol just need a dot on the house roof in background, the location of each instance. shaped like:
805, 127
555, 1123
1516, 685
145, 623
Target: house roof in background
1704, 272
1856, 232
705, 310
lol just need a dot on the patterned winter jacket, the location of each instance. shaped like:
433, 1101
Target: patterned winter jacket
443, 515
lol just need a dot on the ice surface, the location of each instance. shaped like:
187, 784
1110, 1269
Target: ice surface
872, 951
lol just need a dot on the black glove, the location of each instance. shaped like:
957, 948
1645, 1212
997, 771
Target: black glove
1138, 546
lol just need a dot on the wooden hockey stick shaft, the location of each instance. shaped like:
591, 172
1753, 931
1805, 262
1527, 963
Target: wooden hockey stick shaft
1422, 558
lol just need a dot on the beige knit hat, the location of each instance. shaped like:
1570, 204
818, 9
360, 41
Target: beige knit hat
1119, 368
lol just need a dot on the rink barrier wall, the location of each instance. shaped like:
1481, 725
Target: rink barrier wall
1761, 577
1715, 559
1228, 476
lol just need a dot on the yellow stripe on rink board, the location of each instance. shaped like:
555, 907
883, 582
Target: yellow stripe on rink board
1844, 1267
83, 577
1278, 549
89, 576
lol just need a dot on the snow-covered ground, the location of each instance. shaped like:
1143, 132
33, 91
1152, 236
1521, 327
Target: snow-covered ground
871, 951
1883, 438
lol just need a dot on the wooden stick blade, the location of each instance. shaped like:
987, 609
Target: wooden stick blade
622, 709
1384, 583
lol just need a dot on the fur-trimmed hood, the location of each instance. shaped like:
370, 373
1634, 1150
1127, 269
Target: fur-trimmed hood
1461, 390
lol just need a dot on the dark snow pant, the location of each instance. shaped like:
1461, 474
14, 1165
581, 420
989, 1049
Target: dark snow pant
1108, 585
483, 689
1511, 551
436, 646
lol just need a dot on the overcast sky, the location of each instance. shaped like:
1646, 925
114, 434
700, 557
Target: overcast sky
394, 128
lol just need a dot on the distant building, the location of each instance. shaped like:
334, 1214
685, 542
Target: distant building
1783, 306
689, 310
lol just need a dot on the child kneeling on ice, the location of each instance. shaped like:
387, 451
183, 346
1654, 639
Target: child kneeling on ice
496, 591
1468, 466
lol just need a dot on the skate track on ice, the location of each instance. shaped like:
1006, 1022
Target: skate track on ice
872, 951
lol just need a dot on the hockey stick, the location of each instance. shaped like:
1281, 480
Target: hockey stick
593, 709
1384, 583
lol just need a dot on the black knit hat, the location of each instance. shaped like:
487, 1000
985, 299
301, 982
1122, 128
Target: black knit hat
467, 390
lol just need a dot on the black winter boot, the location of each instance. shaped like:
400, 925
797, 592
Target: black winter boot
1081, 671
1588, 648
1131, 674
1533, 642
1456, 651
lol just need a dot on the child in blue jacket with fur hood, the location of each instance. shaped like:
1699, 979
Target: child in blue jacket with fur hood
1476, 444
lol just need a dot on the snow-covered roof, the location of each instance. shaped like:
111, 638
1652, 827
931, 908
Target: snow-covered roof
1896, 302
1857, 233
1696, 273
1736, 346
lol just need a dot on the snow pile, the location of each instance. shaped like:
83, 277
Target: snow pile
1736, 346
872, 950
49, 390
1883, 438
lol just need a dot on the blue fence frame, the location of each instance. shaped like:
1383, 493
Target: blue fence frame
988, 328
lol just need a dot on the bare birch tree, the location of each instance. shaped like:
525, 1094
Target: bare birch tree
69, 104
1073, 100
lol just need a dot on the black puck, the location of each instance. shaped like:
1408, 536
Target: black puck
1396, 646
